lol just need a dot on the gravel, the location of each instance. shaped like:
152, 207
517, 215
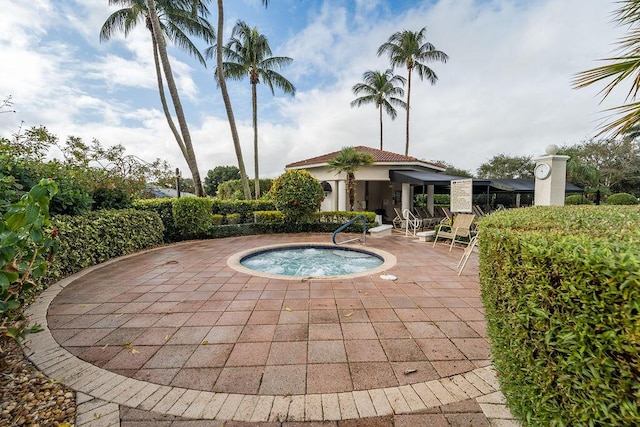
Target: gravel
27, 396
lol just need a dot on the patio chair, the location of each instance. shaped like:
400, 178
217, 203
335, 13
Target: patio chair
462, 227
467, 253
428, 220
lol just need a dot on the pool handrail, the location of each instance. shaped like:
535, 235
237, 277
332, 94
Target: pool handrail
348, 223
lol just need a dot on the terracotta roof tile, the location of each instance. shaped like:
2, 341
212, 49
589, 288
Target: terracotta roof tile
380, 156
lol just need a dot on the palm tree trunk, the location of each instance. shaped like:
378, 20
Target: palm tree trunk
380, 108
227, 103
173, 91
351, 189
406, 147
254, 105
163, 99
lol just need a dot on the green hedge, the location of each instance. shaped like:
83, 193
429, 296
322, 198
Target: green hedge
244, 208
95, 237
561, 288
622, 199
164, 208
192, 216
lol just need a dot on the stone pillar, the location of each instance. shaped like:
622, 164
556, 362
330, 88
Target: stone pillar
551, 178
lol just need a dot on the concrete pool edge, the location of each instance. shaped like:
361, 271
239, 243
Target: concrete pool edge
389, 261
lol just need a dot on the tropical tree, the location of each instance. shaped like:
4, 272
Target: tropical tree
217, 176
349, 160
248, 54
380, 89
410, 49
506, 167
619, 68
173, 20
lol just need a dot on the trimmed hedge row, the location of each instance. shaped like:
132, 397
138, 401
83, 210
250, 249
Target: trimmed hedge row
95, 237
561, 288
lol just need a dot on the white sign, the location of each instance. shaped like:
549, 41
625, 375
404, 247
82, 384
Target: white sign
461, 195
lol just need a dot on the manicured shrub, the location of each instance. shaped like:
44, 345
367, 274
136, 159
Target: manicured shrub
97, 236
268, 217
621, 199
217, 219
192, 216
561, 289
233, 218
577, 199
244, 208
164, 208
297, 195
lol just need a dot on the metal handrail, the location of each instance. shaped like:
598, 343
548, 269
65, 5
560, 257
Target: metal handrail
410, 219
348, 223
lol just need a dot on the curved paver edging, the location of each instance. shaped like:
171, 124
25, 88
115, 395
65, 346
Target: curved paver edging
57, 363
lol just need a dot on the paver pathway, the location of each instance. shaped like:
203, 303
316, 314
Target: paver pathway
175, 334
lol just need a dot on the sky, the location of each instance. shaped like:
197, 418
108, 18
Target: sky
506, 88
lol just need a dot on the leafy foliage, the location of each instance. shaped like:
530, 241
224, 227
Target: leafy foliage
561, 288
577, 199
164, 209
297, 195
27, 245
217, 176
232, 189
349, 160
111, 198
507, 167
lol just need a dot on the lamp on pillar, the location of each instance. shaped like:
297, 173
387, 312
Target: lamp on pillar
178, 182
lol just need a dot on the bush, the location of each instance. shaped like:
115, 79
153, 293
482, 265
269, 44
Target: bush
233, 218
561, 288
71, 199
244, 208
577, 199
192, 216
164, 208
111, 198
268, 217
233, 189
621, 199
98, 236
297, 195
217, 219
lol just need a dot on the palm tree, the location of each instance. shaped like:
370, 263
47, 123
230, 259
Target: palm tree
349, 160
173, 20
380, 89
227, 103
249, 55
410, 49
619, 68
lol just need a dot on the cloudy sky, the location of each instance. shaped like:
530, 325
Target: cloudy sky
506, 88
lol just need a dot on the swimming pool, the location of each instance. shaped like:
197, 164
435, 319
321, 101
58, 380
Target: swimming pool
314, 260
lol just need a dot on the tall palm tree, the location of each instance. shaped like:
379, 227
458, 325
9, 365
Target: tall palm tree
410, 49
248, 54
349, 160
227, 103
171, 19
380, 89
619, 68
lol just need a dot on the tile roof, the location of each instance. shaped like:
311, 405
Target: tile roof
380, 156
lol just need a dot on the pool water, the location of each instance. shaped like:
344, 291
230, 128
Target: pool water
311, 261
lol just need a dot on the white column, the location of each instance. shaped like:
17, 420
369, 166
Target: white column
430, 192
342, 195
406, 196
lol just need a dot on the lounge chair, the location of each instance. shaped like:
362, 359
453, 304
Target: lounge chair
428, 220
461, 228
406, 220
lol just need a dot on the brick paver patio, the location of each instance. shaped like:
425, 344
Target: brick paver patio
175, 334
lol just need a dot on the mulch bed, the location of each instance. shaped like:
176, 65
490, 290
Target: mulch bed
27, 396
